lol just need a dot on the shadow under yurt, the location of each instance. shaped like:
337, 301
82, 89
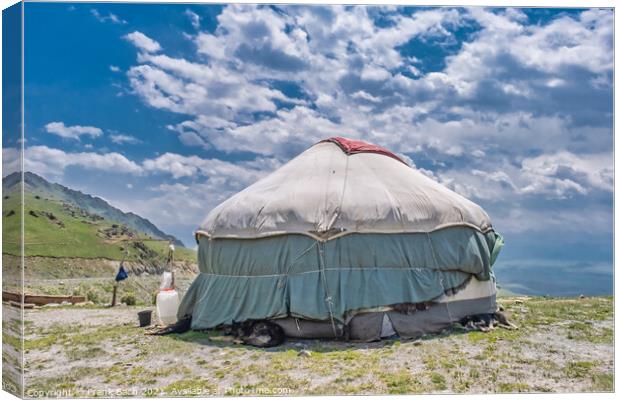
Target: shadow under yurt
344, 241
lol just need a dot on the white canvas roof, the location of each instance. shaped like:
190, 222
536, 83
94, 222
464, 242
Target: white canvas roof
325, 192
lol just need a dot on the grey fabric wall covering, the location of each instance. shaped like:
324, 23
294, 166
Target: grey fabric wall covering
295, 275
366, 327
305, 329
439, 316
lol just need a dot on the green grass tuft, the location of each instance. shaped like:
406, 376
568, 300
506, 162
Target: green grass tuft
438, 380
578, 369
602, 382
513, 387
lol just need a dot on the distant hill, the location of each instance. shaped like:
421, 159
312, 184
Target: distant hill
62, 222
37, 185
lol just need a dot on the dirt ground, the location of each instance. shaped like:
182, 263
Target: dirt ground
563, 345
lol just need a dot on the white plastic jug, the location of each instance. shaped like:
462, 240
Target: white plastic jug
166, 280
167, 306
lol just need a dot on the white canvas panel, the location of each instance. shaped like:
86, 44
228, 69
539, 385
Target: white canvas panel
326, 193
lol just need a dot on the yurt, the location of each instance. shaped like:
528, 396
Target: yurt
345, 240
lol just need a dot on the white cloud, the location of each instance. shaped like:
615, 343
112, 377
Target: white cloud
263, 44
180, 207
113, 18
348, 64
554, 175
497, 176
114, 68
180, 166
222, 177
206, 183
122, 139
549, 49
143, 42
52, 162
194, 18
273, 136
11, 160
49, 161
72, 132
512, 89
352, 72
568, 41
564, 172
198, 89
477, 185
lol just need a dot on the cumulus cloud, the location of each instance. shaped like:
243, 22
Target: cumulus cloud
11, 160
263, 45
51, 162
509, 110
181, 208
208, 181
564, 172
270, 136
197, 89
119, 138
72, 132
356, 76
558, 175
179, 166
143, 42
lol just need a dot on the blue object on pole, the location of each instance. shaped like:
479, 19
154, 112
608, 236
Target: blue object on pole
121, 275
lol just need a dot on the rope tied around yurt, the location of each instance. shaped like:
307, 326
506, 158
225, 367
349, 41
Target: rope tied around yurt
441, 281
303, 253
328, 297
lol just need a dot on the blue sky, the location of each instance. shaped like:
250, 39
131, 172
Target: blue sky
166, 110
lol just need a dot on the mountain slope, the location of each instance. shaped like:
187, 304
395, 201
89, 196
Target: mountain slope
39, 186
60, 222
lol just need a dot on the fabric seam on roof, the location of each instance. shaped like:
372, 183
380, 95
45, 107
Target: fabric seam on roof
387, 191
338, 235
344, 188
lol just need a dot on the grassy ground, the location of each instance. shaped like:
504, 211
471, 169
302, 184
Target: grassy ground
11, 354
67, 235
92, 278
99, 290
563, 345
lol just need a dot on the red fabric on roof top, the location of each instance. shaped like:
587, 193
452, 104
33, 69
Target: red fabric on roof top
350, 146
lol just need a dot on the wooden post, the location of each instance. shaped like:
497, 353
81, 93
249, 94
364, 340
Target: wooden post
114, 294
171, 263
115, 287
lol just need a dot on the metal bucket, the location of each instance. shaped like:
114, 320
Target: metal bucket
145, 317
